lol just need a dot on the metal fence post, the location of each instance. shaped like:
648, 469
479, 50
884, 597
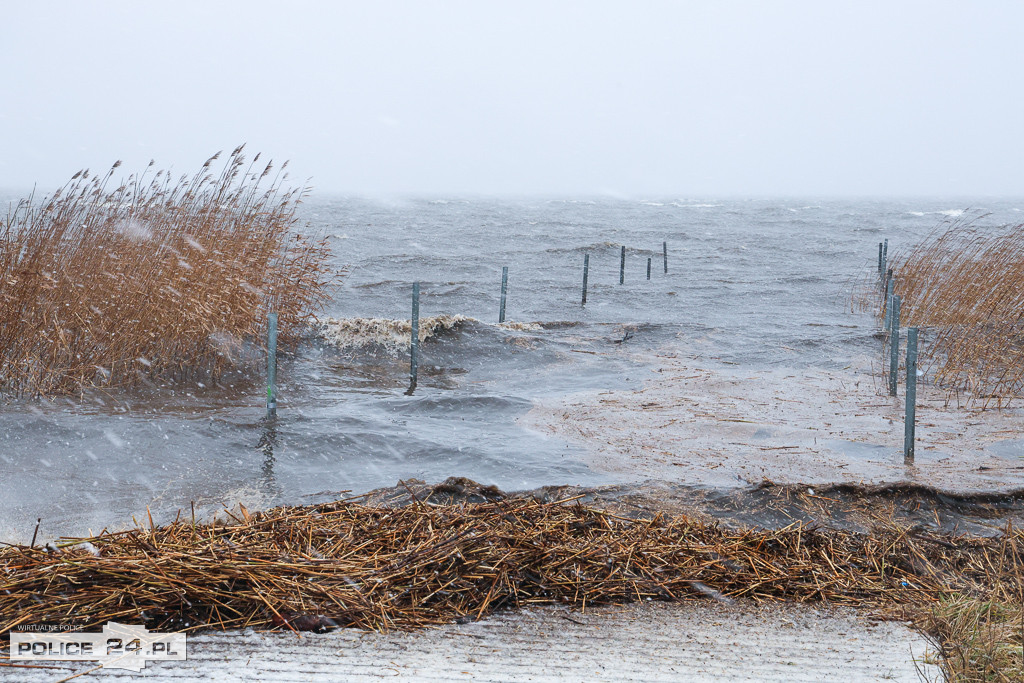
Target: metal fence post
909, 424
888, 304
414, 348
586, 271
272, 366
894, 345
504, 291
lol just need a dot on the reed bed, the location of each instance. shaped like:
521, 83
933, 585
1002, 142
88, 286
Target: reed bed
965, 285
112, 283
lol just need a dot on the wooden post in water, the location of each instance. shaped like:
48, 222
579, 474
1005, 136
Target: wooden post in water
504, 291
894, 345
622, 265
908, 420
648, 267
414, 347
586, 271
272, 366
885, 256
664, 254
879, 260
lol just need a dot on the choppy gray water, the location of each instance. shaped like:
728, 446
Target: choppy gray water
752, 282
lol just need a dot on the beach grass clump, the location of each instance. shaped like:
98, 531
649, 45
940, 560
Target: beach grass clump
965, 285
115, 282
982, 640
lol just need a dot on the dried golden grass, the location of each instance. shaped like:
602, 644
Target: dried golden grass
981, 629
982, 639
111, 283
965, 285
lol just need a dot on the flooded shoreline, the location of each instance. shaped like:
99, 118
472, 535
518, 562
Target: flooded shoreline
751, 325
707, 423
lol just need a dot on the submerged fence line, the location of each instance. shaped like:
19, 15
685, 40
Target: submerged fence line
414, 341
891, 306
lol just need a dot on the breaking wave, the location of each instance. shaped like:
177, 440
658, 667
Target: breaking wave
349, 333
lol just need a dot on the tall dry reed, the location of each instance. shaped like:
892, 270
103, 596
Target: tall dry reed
965, 285
112, 283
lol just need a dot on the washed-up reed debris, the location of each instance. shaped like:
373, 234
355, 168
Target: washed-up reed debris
964, 284
112, 283
345, 564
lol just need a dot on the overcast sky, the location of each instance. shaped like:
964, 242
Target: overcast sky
677, 98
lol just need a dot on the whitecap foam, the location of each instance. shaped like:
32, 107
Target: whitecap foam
695, 206
521, 327
951, 213
350, 333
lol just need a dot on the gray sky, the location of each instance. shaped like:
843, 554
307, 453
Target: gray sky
677, 98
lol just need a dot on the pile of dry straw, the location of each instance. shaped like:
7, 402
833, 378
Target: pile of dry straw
347, 564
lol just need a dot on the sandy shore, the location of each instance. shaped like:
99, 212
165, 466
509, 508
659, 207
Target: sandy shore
703, 422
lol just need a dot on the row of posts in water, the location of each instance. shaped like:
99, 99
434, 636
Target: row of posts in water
622, 267
414, 348
891, 327
415, 332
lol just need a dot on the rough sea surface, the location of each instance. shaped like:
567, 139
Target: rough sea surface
759, 285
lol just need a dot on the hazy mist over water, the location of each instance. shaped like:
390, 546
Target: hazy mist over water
577, 98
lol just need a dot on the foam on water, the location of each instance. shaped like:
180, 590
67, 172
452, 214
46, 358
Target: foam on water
394, 335
950, 213
522, 327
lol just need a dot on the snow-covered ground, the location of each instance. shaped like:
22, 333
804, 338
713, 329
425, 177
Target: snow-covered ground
639, 642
